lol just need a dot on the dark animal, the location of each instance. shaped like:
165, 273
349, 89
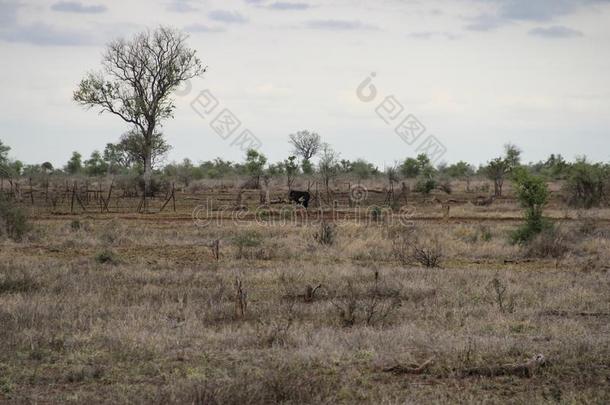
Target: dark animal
299, 197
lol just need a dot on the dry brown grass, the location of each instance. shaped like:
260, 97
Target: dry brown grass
158, 324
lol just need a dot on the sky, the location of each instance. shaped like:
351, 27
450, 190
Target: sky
467, 76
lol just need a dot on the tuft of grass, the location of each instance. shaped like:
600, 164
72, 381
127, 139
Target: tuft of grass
107, 256
75, 225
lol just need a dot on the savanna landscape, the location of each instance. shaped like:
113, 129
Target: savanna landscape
137, 275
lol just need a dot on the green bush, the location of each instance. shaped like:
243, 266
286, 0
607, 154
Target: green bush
425, 186
586, 184
533, 195
13, 221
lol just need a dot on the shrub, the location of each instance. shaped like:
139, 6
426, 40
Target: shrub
552, 242
366, 304
585, 186
75, 225
445, 186
245, 242
409, 249
505, 303
13, 221
425, 186
326, 235
533, 194
485, 233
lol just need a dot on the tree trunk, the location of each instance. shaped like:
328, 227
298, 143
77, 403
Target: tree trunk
147, 165
498, 187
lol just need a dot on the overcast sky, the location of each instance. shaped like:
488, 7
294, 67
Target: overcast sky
476, 73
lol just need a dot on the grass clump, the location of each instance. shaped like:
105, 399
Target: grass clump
409, 248
107, 256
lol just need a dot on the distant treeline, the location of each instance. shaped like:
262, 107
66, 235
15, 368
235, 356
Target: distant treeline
124, 159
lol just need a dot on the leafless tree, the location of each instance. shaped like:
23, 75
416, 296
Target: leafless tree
328, 166
306, 144
137, 80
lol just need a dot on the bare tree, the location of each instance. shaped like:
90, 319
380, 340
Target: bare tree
137, 80
328, 166
306, 145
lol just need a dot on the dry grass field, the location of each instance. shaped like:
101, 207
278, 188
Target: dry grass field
128, 308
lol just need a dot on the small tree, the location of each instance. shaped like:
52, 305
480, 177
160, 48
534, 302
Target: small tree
586, 184
291, 169
255, 165
410, 168
133, 146
498, 168
328, 166
363, 169
138, 79
75, 164
421, 165
461, 170
306, 145
533, 195
116, 158
185, 171
95, 165
4, 150
47, 167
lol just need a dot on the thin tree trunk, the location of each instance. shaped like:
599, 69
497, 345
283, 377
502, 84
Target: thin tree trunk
147, 166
